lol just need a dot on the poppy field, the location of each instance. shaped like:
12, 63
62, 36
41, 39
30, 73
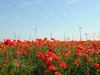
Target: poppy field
49, 57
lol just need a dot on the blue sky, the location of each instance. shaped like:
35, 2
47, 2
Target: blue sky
20, 17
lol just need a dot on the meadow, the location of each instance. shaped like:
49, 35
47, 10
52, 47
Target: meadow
49, 57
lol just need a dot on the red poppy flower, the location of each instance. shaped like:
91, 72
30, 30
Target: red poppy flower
53, 39
96, 65
62, 64
67, 52
79, 47
86, 50
16, 63
88, 59
77, 62
18, 53
2, 47
88, 74
49, 63
98, 72
51, 68
51, 55
57, 73
78, 51
96, 52
8, 42
85, 55
12, 72
41, 55
5, 73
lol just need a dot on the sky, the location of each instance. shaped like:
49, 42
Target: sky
60, 19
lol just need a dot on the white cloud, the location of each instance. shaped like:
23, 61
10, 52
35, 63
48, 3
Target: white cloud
30, 3
75, 1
